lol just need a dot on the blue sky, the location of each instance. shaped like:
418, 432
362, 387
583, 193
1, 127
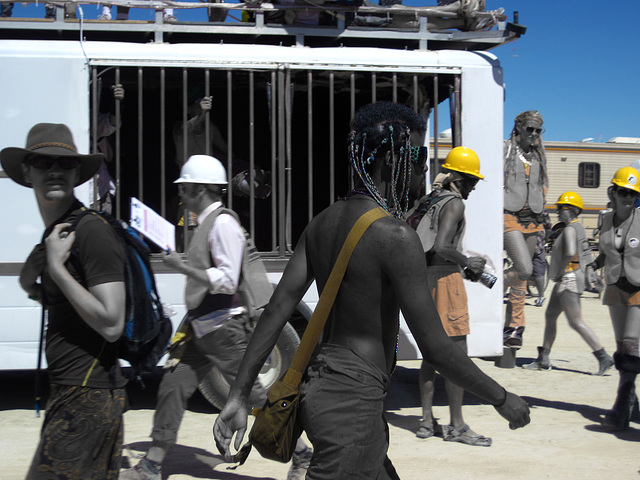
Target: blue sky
578, 64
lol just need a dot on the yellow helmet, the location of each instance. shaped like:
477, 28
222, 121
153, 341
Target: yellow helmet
463, 160
570, 198
627, 177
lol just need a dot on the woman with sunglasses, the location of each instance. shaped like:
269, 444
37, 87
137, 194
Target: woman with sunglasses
525, 188
620, 257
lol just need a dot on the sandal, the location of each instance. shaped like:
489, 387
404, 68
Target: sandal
426, 430
465, 435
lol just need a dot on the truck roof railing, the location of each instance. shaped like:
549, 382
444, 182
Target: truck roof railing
338, 23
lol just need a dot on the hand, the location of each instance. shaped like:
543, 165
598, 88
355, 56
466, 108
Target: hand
173, 259
232, 419
515, 410
118, 91
31, 271
206, 103
58, 245
476, 264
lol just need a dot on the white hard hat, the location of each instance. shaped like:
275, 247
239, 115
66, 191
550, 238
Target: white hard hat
203, 169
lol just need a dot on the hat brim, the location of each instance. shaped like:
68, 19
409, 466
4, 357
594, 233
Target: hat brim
11, 159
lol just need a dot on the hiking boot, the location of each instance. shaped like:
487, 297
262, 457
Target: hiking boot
300, 464
512, 337
144, 470
169, 19
540, 363
604, 360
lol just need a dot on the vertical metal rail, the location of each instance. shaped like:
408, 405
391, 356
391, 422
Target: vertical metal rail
185, 78
140, 138
252, 153
207, 124
229, 137
394, 82
332, 139
436, 125
373, 87
186, 214
94, 127
288, 158
416, 106
457, 131
275, 180
352, 112
118, 150
163, 149
309, 146
281, 162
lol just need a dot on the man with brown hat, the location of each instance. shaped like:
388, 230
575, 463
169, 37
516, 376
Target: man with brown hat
82, 432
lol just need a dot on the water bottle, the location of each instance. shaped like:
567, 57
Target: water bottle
485, 278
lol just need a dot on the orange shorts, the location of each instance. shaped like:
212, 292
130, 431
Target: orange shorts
511, 223
614, 295
450, 297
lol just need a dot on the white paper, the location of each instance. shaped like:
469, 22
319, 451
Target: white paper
152, 225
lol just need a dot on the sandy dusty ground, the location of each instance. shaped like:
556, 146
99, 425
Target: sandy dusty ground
563, 441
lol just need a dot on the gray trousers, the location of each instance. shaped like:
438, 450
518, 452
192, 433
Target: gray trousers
223, 348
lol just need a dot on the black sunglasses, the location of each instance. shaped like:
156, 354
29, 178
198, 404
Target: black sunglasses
45, 163
418, 154
625, 192
535, 130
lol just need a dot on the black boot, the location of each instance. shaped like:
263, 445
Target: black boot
618, 417
542, 362
512, 337
605, 361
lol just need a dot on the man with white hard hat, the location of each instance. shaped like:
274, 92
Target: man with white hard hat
217, 329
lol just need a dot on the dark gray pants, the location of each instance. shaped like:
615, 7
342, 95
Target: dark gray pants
223, 348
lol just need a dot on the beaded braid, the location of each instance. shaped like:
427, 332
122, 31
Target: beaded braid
400, 168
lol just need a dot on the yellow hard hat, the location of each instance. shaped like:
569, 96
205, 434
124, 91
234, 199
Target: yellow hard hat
627, 177
463, 160
570, 198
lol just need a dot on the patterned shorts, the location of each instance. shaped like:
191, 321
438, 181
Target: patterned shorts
81, 436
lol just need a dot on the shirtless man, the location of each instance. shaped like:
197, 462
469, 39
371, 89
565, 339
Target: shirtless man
343, 391
441, 233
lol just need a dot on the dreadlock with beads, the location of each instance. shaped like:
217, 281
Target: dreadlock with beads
376, 130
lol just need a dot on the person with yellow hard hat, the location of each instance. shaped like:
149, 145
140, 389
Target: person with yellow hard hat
570, 258
440, 223
525, 189
620, 257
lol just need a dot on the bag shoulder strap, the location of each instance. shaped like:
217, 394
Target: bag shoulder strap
325, 303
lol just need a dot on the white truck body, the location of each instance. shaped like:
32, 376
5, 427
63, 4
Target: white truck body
50, 81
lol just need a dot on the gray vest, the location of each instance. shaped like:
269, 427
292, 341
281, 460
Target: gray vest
519, 192
197, 297
625, 263
430, 208
556, 268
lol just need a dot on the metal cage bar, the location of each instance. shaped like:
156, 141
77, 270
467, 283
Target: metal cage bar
332, 139
140, 136
309, 146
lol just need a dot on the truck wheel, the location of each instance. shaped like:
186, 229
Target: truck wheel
215, 388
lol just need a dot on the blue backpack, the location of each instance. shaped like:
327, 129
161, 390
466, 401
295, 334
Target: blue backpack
147, 330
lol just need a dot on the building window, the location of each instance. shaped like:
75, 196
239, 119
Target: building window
589, 175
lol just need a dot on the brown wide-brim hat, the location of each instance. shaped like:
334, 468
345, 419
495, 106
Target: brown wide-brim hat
49, 140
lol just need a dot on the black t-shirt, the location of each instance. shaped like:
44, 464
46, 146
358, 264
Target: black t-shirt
76, 353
